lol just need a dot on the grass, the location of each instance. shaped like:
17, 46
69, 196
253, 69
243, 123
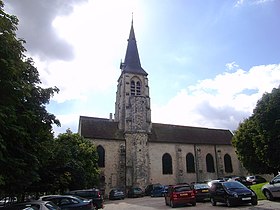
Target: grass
257, 189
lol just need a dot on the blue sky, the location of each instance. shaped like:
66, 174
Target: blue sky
208, 61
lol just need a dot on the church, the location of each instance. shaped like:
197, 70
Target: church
134, 151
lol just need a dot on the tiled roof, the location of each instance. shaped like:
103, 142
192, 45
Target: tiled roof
100, 128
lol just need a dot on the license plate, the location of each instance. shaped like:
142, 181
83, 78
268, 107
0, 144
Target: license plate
204, 190
245, 199
184, 194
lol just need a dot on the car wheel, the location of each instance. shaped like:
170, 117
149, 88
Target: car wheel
94, 207
268, 195
194, 204
172, 204
255, 202
166, 202
228, 203
213, 202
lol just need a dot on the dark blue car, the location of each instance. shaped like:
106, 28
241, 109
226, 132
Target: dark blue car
159, 191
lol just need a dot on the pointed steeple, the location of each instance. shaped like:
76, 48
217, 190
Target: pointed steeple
132, 61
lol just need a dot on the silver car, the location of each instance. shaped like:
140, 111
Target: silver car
32, 205
271, 190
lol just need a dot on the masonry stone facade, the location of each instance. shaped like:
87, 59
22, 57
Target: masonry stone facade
133, 151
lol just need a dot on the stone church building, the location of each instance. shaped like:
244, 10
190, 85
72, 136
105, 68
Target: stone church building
133, 151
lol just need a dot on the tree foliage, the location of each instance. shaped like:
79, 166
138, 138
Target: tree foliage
257, 139
24, 121
71, 164
31, 159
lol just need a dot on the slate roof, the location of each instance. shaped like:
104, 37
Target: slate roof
101, 128
189, 135
132, 61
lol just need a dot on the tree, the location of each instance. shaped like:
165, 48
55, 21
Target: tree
257, 139
24, 122
72, 164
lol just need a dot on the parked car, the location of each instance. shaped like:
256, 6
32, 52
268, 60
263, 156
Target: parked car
271, 190
69, 202
241, 179
135, 192
255, 179
7, 201
210, 183
150, 187
33, 205
93, 194
159, 191
181, 194
231, 193
201, 191
115, 194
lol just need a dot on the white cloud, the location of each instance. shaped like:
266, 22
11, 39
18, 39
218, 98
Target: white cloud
231, 66
98, 47
262, 1
222, 102
240, 3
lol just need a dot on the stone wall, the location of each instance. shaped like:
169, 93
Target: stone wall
178, 153
114, 170
137, 158
137, 162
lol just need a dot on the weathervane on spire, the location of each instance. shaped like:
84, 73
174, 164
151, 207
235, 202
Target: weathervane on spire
132, 18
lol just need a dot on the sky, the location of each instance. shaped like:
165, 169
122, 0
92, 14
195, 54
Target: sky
208, 61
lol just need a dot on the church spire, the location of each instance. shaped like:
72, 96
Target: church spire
132, 61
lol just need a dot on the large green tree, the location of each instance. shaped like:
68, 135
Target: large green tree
257, 139
25, 123
71, 164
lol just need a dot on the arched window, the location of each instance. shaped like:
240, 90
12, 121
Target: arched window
132, 87
210, 163
138, 88
166, 164
101, 156
228, 164
135, 86
190, 163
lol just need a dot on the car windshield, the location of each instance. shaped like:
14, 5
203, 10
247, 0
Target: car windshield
81, 198
276, 179
233, 185
200, 186
182, 188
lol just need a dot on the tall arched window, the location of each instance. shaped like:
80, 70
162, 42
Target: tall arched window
138, 88
210, 163
101, 156
132, 87
228, 163
190, 163
167, 164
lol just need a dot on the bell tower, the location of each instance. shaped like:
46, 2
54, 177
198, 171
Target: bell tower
133, 114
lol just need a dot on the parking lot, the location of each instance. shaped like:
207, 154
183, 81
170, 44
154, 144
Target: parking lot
148, 203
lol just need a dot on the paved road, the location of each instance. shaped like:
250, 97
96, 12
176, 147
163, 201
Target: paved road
148, 203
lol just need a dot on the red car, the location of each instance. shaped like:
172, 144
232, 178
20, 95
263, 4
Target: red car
181, 194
